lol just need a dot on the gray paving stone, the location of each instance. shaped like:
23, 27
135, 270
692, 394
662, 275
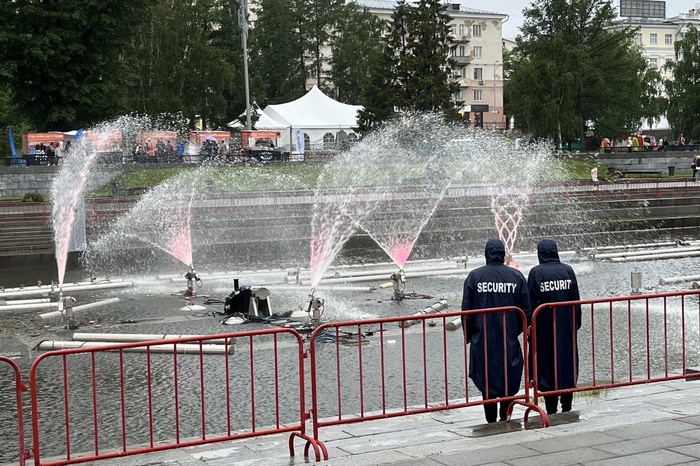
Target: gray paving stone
394, 440
654, 428
563, 458
652, 458
552, 445
654, 442
691, 420
485, 456
689, 449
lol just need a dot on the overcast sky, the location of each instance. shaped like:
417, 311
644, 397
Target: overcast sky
514, 9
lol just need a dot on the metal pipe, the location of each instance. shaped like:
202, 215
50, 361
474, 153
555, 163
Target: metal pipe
25, 301
290, 287
82, 307
133, 337
180, 348
681, 279
430, 273
454, 324
434, 309
25, 307
387, 271
656, 256
45, 290
645, 253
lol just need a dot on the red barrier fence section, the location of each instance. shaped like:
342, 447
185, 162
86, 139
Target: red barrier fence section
7, 415
13, 212
125, 399
623, 341
382, 368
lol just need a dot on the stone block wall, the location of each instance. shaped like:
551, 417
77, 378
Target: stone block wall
648, 160
18, 181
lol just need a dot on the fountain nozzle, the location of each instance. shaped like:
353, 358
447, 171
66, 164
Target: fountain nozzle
315, 309
192, 280
398, 279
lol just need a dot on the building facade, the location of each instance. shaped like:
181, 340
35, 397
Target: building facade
478, 55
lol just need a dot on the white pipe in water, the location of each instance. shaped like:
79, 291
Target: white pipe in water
434, 309
651, 257
454, 324
322, 287
632, 246
645, 253
133, 337
45, 290
682, 279
368, 278
25, 301
82, 307
29, 306
370, 271
180, 348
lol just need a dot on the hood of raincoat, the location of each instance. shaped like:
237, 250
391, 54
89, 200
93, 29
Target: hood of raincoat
495, 251
547, 251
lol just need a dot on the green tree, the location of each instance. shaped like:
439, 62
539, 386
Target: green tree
572, 67
413, 74
66, 56
278, 73
357, 50
427, 66
683, 89
184, 58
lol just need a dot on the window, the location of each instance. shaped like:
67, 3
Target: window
653, 39
638, 37
461, 29
653, 63
668, 40
669, 61
463, 71
476, 30
478, 73
477, 51
478, 95
462, 50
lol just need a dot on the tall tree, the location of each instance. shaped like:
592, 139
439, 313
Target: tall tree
184, 58
66, 54
416, 68
571, 67
357, 49
427, 63
278, 73
683, 89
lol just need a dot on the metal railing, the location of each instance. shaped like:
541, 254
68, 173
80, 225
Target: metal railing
415, 367
124, 399
616, 346
116, 400
19, 388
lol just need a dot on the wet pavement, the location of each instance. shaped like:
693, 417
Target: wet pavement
655, 424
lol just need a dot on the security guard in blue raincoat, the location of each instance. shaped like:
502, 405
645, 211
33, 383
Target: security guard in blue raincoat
552, 282
495, 285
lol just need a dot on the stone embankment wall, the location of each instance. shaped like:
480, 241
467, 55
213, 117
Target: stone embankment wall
657, 161
18, 181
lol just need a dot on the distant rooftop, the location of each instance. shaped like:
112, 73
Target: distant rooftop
391, 4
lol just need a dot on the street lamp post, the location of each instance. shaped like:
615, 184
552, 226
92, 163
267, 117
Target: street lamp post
680, 122
243, 23
494, 112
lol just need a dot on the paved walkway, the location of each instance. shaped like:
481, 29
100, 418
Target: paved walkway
657, 424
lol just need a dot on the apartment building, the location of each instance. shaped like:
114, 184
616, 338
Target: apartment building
478, 54
657, 37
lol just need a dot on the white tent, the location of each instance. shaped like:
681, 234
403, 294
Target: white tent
322, 119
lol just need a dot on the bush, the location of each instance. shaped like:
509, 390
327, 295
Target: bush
34, 197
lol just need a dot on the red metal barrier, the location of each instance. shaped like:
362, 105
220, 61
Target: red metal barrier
25, 212
616, 344
19, 388
111, 402
407, 369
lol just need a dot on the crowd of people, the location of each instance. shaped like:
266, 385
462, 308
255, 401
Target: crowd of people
496, 357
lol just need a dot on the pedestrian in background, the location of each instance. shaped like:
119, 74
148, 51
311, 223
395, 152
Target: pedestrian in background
556, 329
495, 356
696, 167
594, 176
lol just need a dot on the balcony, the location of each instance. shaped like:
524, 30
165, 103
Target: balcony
461, 59
461, 38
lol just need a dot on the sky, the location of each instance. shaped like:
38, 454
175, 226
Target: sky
514, 9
